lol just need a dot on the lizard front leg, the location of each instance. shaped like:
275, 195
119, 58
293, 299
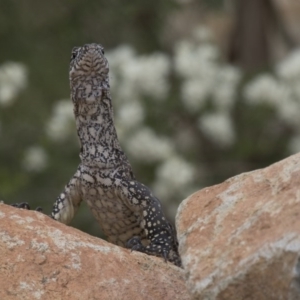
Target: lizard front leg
159, 232
67, 203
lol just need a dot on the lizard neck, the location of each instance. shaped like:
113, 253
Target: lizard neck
97, 133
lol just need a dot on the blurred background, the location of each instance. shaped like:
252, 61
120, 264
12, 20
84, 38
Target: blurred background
202, 90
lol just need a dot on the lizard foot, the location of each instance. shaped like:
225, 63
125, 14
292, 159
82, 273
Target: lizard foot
135, 244
25, 205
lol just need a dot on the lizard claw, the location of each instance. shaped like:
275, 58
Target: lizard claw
23, 205
164, 254
135, 244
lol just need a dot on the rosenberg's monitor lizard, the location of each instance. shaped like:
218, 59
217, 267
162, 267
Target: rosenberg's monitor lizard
127, 211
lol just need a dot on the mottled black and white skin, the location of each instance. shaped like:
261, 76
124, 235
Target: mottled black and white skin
127, 211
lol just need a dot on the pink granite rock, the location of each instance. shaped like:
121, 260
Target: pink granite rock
241, 239
43, 259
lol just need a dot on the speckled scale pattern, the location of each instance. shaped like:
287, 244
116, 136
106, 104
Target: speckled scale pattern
127, 211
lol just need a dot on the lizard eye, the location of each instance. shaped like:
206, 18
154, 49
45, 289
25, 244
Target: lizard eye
73, 56
74, 53
102, 50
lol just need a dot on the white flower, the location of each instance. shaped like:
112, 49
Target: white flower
289, 68
225, 87
229, 74
155, 70
282, 96
61, 123
13, 78
193, 60
117, 58
218, 127
287, 92
120, 56
221, 84
195, 93
129, 115
148, 74
173, 176
120, 88
146, 146
266, 89
204, 77
35, 159
134, 75
176, 172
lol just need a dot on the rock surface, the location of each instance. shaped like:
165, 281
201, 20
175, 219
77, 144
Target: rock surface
43, 259
241, 239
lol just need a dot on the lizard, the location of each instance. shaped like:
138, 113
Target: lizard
126, 210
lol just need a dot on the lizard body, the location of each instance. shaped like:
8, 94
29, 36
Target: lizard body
127, 211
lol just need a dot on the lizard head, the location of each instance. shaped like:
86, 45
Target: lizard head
88, 76
88, 60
